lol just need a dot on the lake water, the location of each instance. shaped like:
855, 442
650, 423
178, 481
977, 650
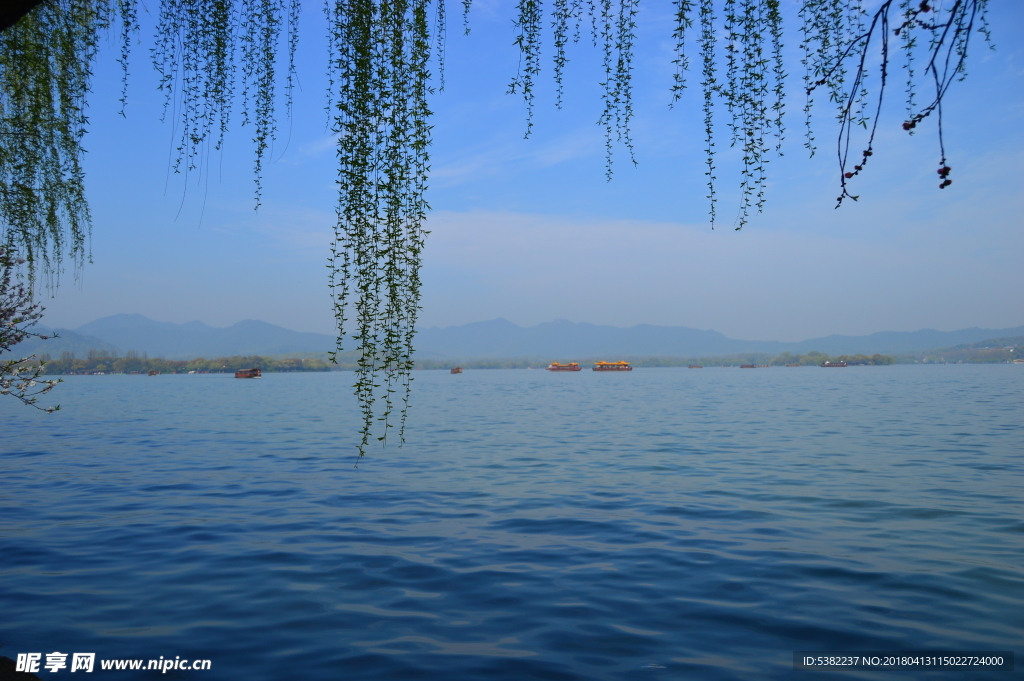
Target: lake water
659, 524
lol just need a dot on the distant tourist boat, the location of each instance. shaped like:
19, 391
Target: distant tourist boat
571, 366
696, 366
612, 366
748, 366
833, 364
792, 365
457, 370
249, 373
153, 372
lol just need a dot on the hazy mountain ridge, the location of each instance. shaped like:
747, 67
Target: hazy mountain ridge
196, 339
59, 341
496, 338
563, 339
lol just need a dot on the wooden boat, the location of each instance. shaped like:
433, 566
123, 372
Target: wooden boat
792, 365
571, 366
748, 366
457, 370
696, 366
249, 373
153, 372
612, 366
833, 364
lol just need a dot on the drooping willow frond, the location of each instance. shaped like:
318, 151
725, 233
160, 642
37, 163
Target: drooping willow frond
379, 76
528, 25
613, 31
839, 39
752, 92
710, 87
45, 64
202, 48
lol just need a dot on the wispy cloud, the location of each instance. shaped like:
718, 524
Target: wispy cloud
508, 157
775, 284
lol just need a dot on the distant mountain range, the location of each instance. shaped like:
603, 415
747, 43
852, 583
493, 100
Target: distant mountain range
563, 339
123, 332
497, 338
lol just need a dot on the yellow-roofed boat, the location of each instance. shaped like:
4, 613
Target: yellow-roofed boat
571, 366
612, 366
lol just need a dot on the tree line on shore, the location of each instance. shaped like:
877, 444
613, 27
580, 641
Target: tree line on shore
814, 358
992, 351
102, 361
760, 359
132, 362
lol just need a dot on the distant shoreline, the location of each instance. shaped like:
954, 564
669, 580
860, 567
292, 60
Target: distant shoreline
757, 359
96, 361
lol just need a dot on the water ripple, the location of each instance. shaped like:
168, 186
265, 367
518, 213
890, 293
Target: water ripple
664, 524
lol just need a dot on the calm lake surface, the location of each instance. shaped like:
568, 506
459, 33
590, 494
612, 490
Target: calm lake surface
659, 524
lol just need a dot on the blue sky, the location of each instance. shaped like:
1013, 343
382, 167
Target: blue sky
530, 230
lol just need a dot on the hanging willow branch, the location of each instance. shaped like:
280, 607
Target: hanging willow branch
45, 61
197, 50
379, 77
207, 52
839, 38
742, 40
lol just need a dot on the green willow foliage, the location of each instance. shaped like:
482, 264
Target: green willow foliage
838, 37
380, 52
209, 52
197, 45
45, 64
